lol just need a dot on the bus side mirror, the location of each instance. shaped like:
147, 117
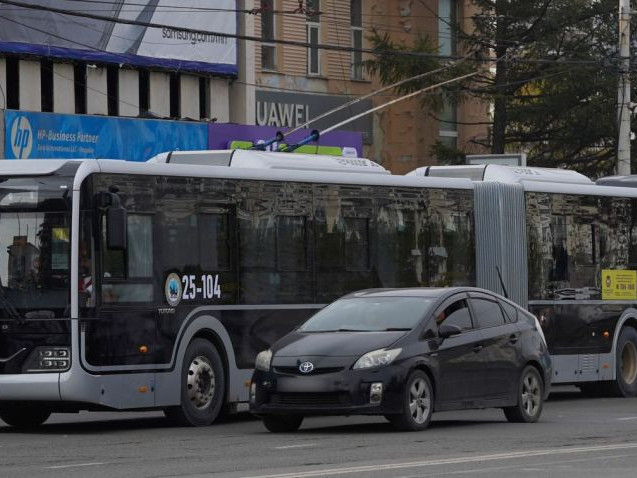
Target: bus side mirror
116, 228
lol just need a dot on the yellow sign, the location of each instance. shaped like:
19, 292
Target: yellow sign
619, 285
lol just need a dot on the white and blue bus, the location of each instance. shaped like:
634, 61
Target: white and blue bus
134, 286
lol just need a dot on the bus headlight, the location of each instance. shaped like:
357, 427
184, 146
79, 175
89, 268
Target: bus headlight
48, 359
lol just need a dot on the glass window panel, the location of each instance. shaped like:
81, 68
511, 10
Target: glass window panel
313, 8
357, 56
140, 245
356, 9
214, 242
455, 314
356, 244
487, 313
291, 243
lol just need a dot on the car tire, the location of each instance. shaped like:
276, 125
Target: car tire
202, 386
282, 423
625, 385
27, 416
418, 403
530, 398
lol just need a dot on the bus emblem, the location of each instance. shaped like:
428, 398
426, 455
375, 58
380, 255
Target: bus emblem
173, 290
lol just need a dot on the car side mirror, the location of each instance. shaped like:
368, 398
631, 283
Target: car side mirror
447, 330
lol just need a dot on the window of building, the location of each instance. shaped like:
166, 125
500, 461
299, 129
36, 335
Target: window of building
313, 37
268, 49
112, 89
144, 91
447, 18
356, 13
13, 83
46, 84
448, 124
204, 97
175, 97
79, 77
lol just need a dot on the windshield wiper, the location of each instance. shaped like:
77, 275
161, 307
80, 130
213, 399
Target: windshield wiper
352, 330
396, 329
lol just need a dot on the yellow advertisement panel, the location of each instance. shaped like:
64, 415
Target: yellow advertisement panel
619, 285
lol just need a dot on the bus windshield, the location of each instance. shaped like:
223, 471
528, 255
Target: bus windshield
35, 244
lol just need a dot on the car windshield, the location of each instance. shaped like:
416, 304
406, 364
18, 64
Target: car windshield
369, 314
34, 246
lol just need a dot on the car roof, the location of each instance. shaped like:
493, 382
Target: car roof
430, 292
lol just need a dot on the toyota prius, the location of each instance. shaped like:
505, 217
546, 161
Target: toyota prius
404, 354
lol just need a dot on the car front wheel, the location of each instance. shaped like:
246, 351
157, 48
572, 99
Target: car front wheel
282, 423
418, 401
530, 398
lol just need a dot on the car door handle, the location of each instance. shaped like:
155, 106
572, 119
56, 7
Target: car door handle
477, 348
513, 338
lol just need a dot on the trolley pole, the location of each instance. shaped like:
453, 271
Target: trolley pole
623, 90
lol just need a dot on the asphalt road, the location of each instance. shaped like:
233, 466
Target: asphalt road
576, 437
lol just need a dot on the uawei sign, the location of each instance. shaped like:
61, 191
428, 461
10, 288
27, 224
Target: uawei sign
288, 110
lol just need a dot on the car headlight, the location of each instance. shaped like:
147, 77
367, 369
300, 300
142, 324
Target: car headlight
263, 360
377, 358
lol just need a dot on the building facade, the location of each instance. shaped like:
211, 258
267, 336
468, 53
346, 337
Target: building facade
294, 83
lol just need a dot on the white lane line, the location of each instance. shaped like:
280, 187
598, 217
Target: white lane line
287, 447
449, 461
626, 419
72, 466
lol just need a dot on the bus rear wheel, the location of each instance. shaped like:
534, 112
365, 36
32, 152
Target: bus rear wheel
625, 385
202, 386
25, 416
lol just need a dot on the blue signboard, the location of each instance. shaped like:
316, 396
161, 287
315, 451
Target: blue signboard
49, 135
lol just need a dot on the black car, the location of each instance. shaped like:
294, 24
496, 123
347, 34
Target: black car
405, 353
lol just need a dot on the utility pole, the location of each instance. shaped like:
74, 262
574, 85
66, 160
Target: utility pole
623, 90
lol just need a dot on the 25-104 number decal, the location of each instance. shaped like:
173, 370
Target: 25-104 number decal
206, 286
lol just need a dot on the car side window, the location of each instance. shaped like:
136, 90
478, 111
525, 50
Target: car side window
510, 312
487, 313
456, 313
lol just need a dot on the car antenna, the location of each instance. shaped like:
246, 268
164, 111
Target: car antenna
504, 289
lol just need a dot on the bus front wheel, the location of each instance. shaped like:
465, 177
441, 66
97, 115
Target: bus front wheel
25, 416
625, 385
202, 386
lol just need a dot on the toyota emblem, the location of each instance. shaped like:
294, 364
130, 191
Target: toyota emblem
306, 367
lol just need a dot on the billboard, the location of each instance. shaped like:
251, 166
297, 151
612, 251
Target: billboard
96, 33
49, 135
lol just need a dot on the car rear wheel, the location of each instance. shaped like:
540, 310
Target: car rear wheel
282, 423
202, 386
418, 401
530, 398
26, 416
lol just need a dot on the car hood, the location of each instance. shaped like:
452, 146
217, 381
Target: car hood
334, 344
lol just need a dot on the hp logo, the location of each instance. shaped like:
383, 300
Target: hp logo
306, 367
21, 137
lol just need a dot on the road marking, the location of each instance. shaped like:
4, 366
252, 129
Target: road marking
449, 461
626, 419
72, 466
305, 445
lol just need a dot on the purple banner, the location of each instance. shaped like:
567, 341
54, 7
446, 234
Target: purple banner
220, 135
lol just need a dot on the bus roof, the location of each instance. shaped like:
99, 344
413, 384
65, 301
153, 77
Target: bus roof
505, 174
242, 158
623, 181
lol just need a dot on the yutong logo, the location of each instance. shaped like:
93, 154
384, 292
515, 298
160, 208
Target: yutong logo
21, 137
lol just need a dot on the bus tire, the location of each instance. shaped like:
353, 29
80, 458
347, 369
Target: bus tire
202, 386
25, 416
625, 385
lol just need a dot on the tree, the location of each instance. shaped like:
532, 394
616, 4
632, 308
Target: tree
553, 79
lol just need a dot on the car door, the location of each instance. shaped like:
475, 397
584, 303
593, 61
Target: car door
457, 356
500, 357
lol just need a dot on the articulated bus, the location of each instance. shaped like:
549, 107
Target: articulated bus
137, 286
